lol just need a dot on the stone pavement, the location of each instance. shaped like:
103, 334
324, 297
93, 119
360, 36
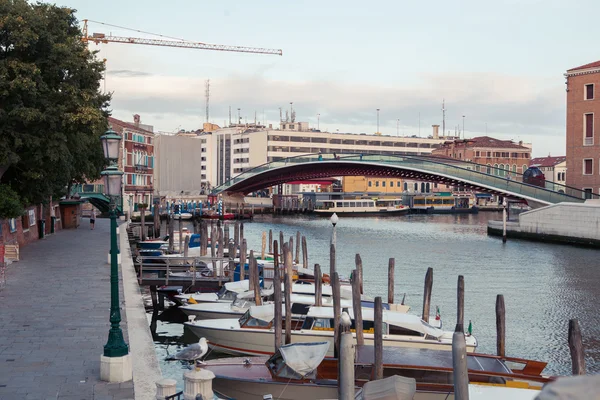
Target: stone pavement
54, 314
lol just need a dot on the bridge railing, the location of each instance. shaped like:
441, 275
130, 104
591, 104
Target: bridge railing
552, 192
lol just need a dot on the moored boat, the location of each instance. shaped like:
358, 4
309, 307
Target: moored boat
252, 334
361, 207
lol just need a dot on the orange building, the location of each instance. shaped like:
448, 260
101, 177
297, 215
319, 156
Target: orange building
583, 114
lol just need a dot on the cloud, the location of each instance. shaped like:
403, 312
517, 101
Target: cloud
504, 105
127, 73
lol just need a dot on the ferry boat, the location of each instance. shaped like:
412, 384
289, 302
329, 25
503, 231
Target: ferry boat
361, 207
432, 204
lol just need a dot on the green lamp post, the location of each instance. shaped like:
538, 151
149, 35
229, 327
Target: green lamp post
116, 346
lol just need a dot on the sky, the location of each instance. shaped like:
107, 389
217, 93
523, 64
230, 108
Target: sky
500, 64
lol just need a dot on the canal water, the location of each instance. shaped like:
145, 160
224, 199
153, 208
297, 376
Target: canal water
544, 285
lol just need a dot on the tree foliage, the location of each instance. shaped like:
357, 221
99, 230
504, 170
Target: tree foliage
51, 110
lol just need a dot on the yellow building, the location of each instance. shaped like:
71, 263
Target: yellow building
364, 184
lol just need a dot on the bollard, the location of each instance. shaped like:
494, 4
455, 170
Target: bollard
165, 387
198, 382
500, 326
391, 266
459, 366
576, 348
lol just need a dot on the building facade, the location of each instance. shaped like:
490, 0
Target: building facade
583, 115
554, 168
503, 157
136, 161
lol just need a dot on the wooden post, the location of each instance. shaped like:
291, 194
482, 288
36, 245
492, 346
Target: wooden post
500, 326
357, 308
291, 245
318, 286
427, 293
251, 271
460, 305
346, 388
331, 260
335, 288
297, 259
220, 254
359, 268
213, 242
171, 233
504, 217
270, 241
576, 348
281, 242
378, 338
263, 245
180, 235
288, 290
304, 253
154, 297
156, 220
186, 246
241, 231
256, 285
243, 260
203, 238
236, 235
459, 366
231, 262
391, 266
226, 233
277, 296
143, 221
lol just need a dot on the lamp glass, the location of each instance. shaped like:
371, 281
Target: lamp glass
334, 219
113, 183
110, 144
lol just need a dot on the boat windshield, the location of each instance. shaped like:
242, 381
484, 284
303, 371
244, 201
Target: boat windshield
242, 303
248, 321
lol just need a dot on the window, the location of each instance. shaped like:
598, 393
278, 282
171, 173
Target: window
370, 183
588, 129
383, 183
589, 91
524, 169
416, 187
514, 169
398, 184
391, 183
587, 193
376, 183
588, 166
406, 186
32, 217
25, 222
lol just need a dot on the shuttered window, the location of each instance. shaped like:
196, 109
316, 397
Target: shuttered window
589, 125
588, 166
589, 91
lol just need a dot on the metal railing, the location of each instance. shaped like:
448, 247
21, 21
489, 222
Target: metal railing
484, 175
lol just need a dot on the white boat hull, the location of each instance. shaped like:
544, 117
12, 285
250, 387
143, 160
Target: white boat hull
255, 390
227, 337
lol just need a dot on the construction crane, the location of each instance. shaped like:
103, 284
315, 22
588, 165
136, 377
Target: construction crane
103, 38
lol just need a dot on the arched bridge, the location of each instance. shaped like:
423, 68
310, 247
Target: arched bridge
469, 175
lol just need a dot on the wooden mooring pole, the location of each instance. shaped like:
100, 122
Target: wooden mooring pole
346, 385
171, 233
304, 253
500, 326
318, 286
297, 258
576, 348
427, 294
288, 290
263, 246
460, 304
459, 366
359, 268
378, 338
277, 296
270, 241
391, 266
357, 308
335, 289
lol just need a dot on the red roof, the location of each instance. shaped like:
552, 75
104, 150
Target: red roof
486, 141
595, 64
125, 125
547, 161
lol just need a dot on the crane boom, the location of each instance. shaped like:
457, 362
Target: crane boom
102, 38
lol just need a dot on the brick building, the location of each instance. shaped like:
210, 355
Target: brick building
583, 114
505, 155
26, 229
136, 160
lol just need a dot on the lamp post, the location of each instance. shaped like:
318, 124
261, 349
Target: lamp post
334, 220
318, 120
378, 121
463, 126
115, 346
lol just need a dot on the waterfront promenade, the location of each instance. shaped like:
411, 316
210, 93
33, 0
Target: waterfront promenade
54, 314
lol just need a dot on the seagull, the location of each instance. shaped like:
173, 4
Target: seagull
193, 352
346, 321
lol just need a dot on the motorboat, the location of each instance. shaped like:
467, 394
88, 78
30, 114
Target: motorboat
183, 215
252, 334
243, 302
300, 371
226, 294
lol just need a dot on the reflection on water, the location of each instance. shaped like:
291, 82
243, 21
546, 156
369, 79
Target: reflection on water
544, 285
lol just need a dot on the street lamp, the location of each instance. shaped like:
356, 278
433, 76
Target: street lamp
115, 346
378, 121
334, 220
463, 126
318, 120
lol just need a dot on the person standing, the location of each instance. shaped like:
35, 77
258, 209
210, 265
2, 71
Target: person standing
93, 217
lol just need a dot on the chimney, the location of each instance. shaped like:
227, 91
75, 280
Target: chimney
136, 119
436, 131
520, 143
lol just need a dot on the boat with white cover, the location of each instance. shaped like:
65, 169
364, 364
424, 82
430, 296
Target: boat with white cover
252, 334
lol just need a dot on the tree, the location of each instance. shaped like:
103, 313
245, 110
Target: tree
51, 110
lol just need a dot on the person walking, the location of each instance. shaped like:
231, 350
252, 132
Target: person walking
93, 217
